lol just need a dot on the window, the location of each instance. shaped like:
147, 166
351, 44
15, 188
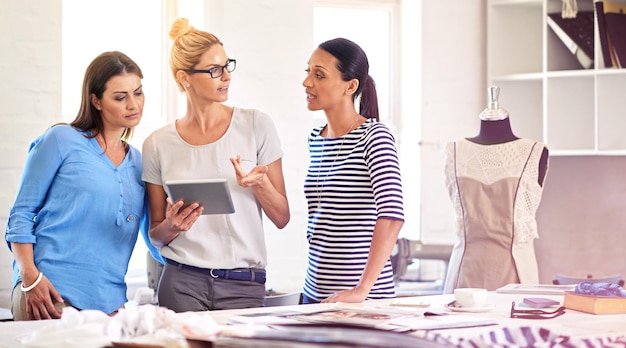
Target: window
120, 25
134, 27
370, 25
376, 27
128, 26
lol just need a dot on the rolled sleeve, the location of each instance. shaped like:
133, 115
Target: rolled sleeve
41, 166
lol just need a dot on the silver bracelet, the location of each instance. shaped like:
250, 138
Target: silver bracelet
32, 286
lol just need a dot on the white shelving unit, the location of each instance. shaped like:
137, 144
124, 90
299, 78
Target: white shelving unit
548, 94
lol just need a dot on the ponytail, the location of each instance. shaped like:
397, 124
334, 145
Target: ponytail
353, 64
369, 99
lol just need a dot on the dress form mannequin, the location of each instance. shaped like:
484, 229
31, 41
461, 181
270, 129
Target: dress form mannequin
495, 128
492, 180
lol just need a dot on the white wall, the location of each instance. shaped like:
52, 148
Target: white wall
454, 94
30, 100
272, 40
581, 220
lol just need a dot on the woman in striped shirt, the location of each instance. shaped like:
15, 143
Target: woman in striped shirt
353, 185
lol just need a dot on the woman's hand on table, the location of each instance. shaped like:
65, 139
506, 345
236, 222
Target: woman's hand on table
353, 295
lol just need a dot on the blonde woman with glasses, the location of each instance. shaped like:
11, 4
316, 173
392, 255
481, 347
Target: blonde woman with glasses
212, 261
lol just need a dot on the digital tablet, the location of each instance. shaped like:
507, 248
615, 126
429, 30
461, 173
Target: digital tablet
212, 194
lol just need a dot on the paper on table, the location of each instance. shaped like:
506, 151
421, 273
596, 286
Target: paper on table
410, 302
444, 321
384, 318
544, 289
280, 317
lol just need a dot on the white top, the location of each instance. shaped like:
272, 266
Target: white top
217, 241
488, 164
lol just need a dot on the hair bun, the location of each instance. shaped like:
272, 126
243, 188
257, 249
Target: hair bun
179, 28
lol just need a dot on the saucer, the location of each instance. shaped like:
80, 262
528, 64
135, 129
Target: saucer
453, 307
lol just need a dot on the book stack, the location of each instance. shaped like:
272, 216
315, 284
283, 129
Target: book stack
611, 17
594, 304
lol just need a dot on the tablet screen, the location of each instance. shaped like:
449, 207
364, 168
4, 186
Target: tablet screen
212, 194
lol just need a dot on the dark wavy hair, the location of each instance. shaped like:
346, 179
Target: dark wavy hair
99, 72
353, 64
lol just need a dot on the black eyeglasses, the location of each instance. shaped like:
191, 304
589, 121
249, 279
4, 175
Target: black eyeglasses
217, 71
535, 313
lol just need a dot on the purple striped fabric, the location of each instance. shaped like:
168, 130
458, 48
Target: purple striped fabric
525, 336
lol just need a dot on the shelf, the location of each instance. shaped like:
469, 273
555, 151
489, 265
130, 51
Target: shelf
610, 71
549, 95
571, 73
518, 77
533, 3
587, 153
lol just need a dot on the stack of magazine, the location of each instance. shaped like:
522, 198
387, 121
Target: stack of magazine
382, 318
340, 325
316, 335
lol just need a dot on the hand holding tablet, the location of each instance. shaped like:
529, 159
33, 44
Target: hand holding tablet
212, 194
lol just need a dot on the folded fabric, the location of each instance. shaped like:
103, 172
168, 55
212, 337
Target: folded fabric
146, 324
600, 289
74, 329
159, 325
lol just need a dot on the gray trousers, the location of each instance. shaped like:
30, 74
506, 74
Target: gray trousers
183, 290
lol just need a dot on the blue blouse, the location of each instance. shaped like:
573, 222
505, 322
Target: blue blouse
82, 215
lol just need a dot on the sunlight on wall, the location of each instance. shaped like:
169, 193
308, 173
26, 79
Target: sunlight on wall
391, 57
132, 27
374, 39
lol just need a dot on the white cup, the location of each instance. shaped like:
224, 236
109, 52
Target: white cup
470, 297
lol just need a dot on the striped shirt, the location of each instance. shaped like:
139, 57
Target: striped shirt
351, 182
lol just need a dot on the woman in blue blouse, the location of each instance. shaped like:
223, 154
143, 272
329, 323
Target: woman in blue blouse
80, 203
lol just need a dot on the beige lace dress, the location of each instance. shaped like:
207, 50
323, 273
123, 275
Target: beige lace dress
495, 192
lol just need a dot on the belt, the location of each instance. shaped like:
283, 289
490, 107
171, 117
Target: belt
233, 274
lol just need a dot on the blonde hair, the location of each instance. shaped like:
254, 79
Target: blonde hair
189, 44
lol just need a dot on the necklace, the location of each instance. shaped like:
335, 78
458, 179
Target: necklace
130, 217
319, 188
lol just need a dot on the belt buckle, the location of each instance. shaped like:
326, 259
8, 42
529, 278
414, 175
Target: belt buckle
212, 275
